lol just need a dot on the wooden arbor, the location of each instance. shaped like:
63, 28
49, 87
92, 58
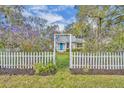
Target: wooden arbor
70, 45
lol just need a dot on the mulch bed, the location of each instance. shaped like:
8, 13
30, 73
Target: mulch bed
15, 71
11, 71
98, 71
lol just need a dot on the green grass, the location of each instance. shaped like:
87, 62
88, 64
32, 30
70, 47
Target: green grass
63, 78
62, 60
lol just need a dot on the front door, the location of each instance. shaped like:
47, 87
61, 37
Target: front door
61, 46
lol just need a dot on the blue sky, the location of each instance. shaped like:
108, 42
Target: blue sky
54, 14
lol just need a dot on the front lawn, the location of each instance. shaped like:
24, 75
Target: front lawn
63, 78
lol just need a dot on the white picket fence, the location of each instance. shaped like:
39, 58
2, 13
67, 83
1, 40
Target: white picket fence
25, 60
102, 60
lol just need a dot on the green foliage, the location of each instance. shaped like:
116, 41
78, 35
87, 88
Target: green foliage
2, 45
41, 69
26, 46
117, 43
79, 29
37, 48
76, 50
29, 46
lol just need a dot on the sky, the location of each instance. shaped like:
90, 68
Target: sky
54, 14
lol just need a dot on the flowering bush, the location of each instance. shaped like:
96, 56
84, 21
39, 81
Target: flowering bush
41, 69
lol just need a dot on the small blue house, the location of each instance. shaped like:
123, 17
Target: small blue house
62, 42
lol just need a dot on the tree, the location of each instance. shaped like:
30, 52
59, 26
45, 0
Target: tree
97, 24
13, 14
28, 29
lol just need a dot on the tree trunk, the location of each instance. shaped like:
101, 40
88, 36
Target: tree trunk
99, 24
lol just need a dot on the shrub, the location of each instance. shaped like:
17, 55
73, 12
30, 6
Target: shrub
75, 50
2, 45
41, 69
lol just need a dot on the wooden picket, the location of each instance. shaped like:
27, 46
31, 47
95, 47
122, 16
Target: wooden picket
101, 60
24, 60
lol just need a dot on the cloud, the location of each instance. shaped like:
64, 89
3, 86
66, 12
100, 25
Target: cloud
51, 18
61, 8
35, 10
68, 21
42, 11
38, 7
63, 23
50, 15
31, 10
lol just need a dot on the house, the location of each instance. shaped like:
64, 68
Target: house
62, 42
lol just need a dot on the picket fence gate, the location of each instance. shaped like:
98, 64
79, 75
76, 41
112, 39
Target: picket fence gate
101, 60
25, 60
